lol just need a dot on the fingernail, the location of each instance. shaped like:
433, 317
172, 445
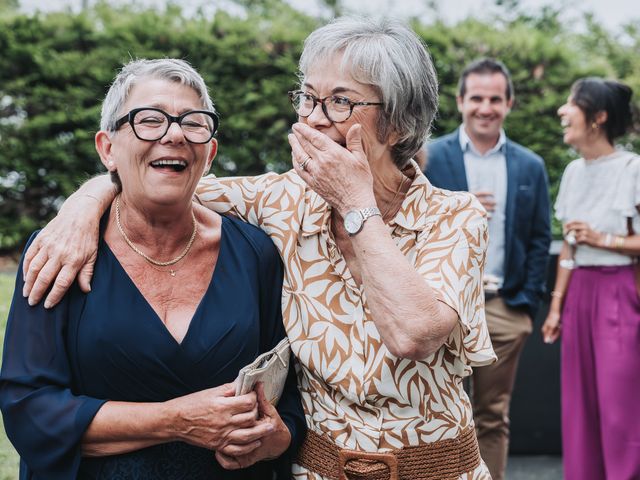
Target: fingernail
47, 304
31, 302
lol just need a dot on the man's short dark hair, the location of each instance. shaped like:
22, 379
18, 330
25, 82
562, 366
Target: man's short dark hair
485, 66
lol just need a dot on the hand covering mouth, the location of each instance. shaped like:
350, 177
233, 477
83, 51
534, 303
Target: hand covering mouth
175, 165
342, 142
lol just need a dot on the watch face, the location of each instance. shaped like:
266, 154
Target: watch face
353, 222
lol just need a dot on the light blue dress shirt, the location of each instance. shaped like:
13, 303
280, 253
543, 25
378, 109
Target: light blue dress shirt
489, 172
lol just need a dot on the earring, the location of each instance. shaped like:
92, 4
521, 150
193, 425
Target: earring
110, 164
594, 126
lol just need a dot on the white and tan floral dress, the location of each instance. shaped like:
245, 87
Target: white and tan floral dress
353, 389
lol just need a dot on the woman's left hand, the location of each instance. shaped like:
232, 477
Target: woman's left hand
339, 175
552, 327
584, 234
241, 451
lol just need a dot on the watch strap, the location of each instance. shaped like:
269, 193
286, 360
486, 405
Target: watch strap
369, 212
363, 214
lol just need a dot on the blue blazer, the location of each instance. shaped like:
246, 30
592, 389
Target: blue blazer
527, 216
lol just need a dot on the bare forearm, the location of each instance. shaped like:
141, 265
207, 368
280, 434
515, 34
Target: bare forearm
66, 248
412, 322
629, 245
562, 280
121, 427
99, 188
585, 235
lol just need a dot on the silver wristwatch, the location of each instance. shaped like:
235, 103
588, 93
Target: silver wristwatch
354, 219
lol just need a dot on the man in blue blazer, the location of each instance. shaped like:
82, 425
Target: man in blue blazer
511, 182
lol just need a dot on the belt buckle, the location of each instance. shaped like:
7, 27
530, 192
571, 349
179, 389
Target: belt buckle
389, 459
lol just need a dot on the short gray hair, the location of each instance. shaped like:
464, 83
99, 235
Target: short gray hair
171, 69
389, 56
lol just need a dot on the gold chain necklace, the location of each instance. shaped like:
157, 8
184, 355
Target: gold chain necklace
388, 209
172, 272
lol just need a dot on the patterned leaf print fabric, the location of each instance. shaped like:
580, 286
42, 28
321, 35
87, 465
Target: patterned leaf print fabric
353, 389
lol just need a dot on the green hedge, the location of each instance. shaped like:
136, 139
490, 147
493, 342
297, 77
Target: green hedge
55, 69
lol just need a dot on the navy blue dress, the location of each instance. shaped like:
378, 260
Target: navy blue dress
61, 365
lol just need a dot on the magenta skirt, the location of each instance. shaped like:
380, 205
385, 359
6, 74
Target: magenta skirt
600, 363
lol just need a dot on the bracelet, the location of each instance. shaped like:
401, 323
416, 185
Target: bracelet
557, 294
618, 243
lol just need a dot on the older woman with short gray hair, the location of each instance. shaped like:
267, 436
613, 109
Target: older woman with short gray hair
134, 380
382, 297
384, 57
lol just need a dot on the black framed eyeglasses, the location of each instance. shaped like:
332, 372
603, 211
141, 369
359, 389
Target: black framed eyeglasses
151, 124
335, 107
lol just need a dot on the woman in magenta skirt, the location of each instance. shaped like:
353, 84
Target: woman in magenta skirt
595, 303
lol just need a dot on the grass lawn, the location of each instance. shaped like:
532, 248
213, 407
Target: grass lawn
8, 456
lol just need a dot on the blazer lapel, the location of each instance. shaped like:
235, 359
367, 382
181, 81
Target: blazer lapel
456, 164
513, 170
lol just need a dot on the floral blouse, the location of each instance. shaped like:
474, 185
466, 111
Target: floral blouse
353, 389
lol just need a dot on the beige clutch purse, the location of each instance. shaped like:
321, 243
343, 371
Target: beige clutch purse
270, 368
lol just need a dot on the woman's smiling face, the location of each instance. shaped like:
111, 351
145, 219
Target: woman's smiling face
164, 171
576, 132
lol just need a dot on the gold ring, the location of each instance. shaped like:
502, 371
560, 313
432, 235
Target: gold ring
303, 165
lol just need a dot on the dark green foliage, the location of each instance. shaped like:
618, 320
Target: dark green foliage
56, 68
544, 59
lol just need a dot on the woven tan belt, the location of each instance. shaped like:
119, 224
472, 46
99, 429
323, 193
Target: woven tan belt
441, 460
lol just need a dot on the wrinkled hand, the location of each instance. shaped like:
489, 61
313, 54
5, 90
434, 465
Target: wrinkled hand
252, 445
210, 417
66, 247
487, 199
584, 234
551, 327
339, 175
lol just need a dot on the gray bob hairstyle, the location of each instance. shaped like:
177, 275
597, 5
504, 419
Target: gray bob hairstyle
170, 69
389, 56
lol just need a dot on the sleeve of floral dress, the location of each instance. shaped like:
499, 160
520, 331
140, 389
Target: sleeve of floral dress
451, 258
251, 199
